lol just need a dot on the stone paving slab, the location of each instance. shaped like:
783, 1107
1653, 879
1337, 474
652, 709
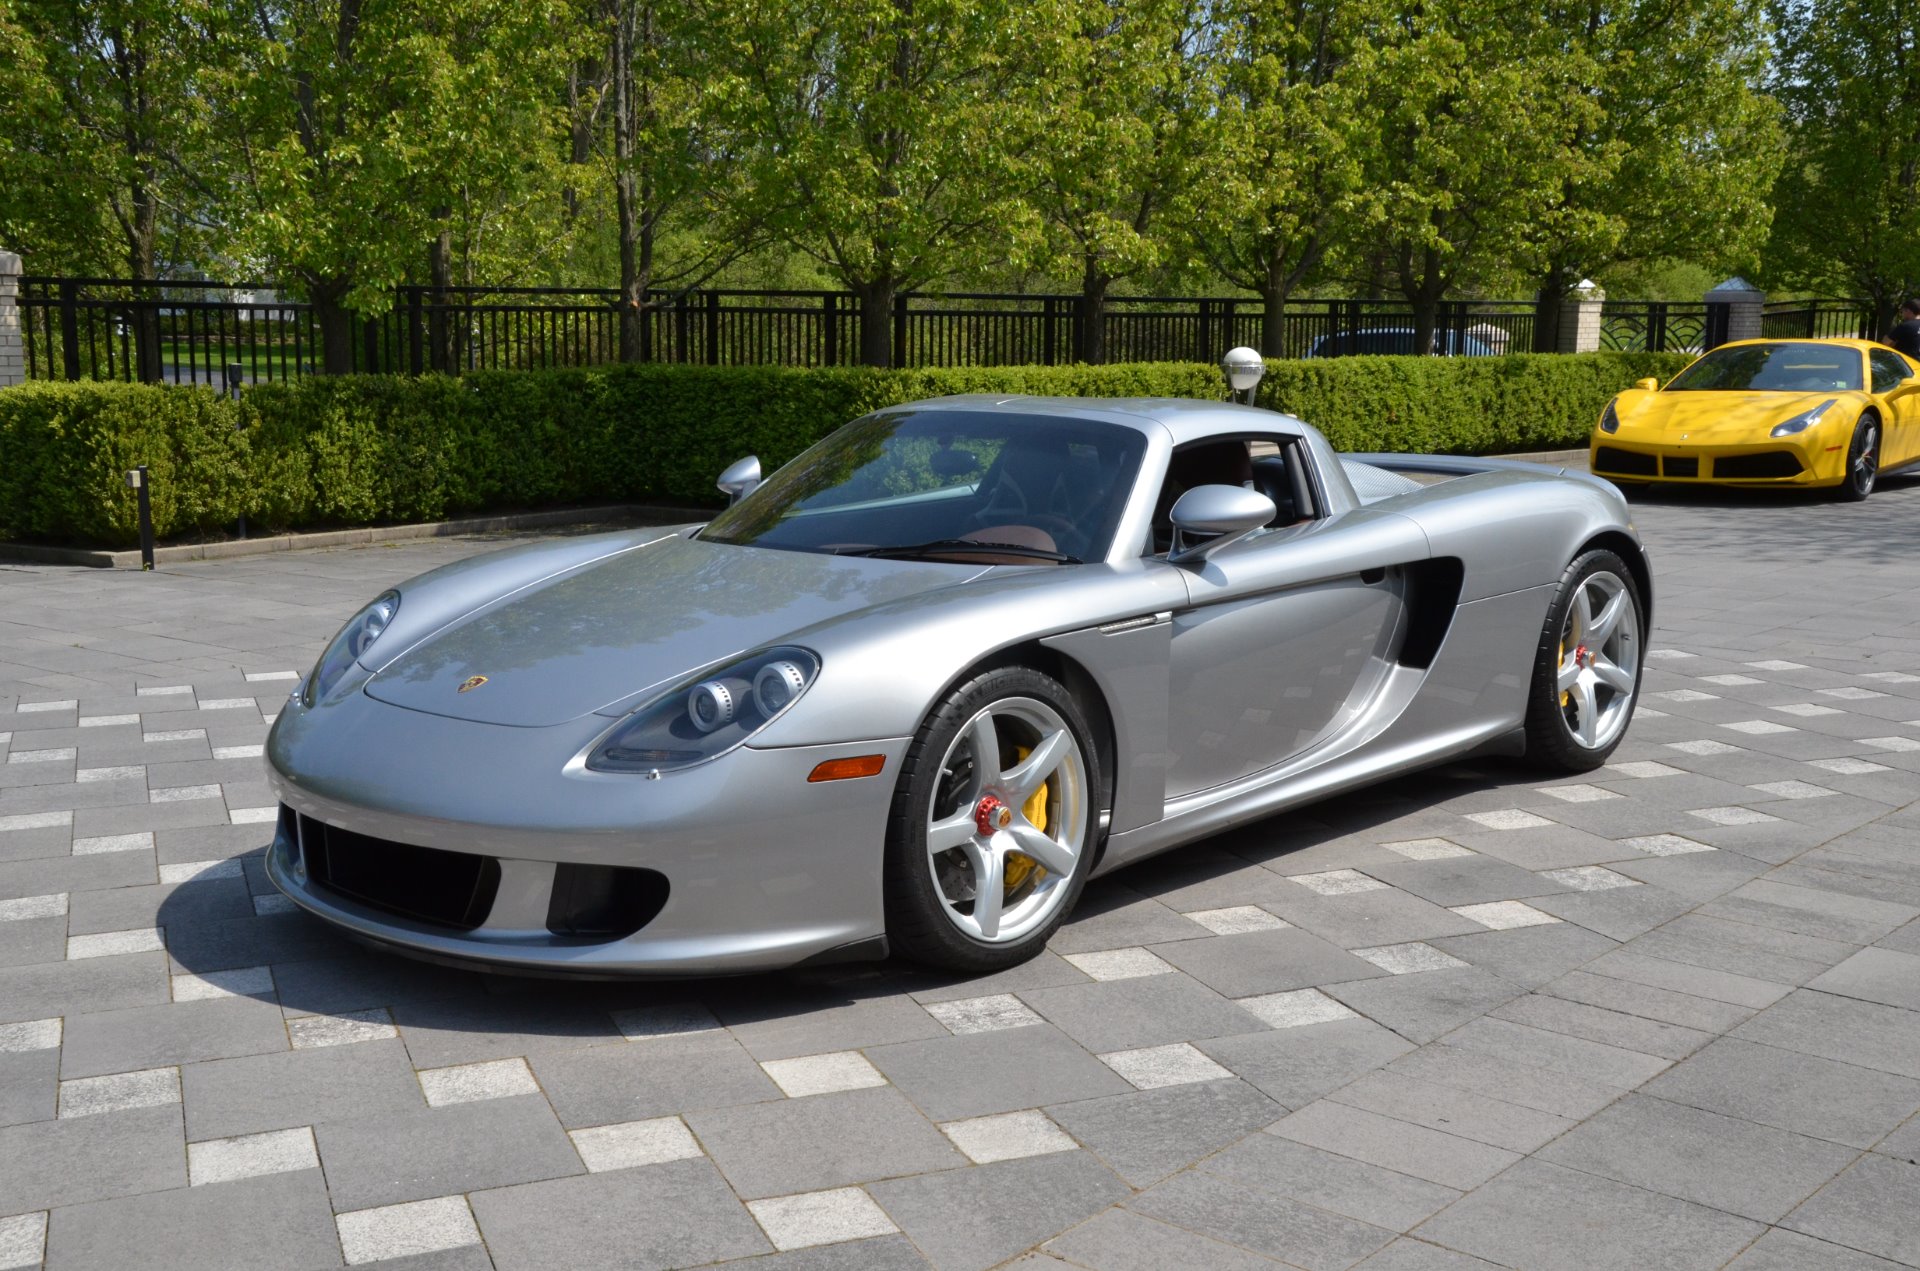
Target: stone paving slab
1663, 1015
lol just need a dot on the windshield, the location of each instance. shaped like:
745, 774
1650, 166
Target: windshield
976, 487
1777, 368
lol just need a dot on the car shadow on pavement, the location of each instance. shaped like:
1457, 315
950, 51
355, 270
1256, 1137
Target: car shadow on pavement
229, 933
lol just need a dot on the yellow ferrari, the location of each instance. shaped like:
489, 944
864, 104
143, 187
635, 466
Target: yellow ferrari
1828, 413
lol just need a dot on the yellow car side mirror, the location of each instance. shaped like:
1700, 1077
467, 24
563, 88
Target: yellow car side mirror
1651, 385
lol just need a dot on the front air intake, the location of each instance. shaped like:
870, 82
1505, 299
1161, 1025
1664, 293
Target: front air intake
1759, 467
1627, 463
604, 902
425, 884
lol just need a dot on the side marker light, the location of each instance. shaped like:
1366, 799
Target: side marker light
847, 769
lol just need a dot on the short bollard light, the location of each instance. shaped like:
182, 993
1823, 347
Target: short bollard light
1243, 367
137, 479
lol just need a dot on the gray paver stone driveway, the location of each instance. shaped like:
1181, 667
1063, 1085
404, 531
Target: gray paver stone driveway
1665, 1015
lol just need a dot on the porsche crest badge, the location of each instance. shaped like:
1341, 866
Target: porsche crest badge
470, 683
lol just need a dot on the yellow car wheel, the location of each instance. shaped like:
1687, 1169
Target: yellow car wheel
1863, 460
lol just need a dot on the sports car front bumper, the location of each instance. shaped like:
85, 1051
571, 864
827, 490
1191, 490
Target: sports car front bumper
1812, 458
470, 842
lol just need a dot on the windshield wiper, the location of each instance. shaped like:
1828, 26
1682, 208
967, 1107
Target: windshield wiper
945, 546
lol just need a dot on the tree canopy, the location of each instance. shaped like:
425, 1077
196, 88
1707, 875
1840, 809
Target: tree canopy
1423, 149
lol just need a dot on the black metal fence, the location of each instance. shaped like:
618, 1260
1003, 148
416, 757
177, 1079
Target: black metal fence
192, 332
1816, 320
1658, 326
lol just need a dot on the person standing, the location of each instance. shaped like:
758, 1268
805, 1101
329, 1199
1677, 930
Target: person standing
1905, 335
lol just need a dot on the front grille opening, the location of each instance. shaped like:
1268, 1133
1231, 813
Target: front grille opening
1628, 463
1768, 463
1674, 466
443, 889
604, 901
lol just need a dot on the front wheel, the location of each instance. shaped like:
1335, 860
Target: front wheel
994, 823
1863, 461
1586, 673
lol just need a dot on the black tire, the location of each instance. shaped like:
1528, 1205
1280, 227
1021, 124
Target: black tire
1863, 460
920, 919
1552, 725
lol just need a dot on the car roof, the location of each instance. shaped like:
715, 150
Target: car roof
1839, 341
1181, 419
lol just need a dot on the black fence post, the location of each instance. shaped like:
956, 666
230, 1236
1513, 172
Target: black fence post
1048, 339
713, 328
1656, 326
1227, 340
900, 330
829, 331
1717, 322
416, 333
682, 327
70, 329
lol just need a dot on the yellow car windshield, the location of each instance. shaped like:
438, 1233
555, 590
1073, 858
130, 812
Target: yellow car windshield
1776, 368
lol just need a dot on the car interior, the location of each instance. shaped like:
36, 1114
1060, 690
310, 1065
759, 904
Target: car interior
1269, 465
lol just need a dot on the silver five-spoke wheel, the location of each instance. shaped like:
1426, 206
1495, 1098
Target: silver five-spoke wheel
1586, 672
1007, 826
1599, 660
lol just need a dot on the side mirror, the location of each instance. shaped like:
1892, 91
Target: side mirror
1210, 517
740, 478
1651, 385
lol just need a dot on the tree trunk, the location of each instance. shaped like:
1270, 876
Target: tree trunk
1275, 290
144, 318
1090, 343
1547, 300
142, 226
876, 321
1885, 312
336, 325
626, 191
440, 353
1424, 291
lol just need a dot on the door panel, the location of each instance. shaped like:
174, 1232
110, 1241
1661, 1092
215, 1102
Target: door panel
1286, 635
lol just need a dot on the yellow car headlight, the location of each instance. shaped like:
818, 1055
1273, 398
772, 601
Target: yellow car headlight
1609, 419
1804, 420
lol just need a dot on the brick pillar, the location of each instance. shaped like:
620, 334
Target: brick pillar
13, 354
1744, 303
1580, 319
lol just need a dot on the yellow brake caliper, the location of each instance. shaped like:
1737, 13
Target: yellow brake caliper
1020, 867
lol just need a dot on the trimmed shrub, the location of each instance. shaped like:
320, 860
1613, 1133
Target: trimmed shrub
364, 449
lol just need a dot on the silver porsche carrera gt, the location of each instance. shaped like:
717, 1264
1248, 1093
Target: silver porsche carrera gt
910, 692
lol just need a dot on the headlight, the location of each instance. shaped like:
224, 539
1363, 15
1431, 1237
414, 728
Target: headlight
354, 639
1804, 420
705, 718
1609, 420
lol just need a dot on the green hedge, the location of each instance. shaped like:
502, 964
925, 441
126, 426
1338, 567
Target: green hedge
363, 449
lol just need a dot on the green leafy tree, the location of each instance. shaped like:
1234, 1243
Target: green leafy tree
1680, 157
1470, 147
1847, 73
1119, 143
1284, 140
356, 126
102, 137
675, 165
888, 134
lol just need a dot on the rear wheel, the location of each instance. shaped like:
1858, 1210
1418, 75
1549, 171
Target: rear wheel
1586, 673
994, 823
1863, 461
